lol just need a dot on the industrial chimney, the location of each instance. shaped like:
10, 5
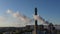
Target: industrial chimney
35, 27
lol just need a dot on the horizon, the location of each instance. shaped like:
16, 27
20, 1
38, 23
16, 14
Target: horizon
21, 12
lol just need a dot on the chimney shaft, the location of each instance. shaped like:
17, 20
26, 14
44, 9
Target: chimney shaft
35, 28
35, 11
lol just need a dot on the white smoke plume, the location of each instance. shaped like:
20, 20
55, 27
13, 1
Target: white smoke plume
23, 18
19, 16
2, 19
40, 19
16, 19
9, 11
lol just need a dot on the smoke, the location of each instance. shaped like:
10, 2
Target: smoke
19, 16
16, 19
23, 18
2, 19
40, 19
26, 19
9, 11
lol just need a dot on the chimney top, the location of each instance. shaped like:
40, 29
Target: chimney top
35, 11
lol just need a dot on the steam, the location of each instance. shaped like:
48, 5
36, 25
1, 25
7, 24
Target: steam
40, 19
26, 19
9, 11
2, 19
19, 16
16, 19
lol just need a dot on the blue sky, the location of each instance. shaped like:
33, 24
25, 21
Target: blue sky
47, 9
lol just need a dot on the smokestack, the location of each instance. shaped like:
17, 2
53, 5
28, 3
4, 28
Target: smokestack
35, 11
35, 27
35, 14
